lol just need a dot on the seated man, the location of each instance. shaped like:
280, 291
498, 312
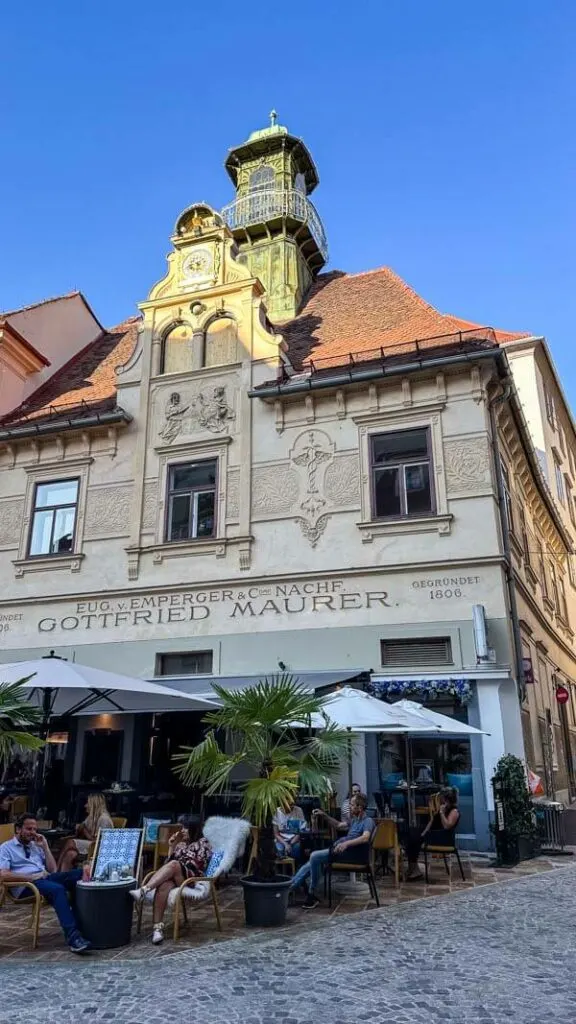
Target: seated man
28, 856
359, 831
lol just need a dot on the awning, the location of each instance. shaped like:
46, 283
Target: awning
201, 686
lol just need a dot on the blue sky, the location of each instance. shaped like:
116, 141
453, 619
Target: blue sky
443, 130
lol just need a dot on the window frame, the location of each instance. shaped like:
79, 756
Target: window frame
549, 406
542, 567
559, 476
507, 491
373, 467
179, 464
180, 654
53, 509
524, 535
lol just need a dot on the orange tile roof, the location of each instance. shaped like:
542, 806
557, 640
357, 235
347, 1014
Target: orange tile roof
356, 313
342, 314
88, 379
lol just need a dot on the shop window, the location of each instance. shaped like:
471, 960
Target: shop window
221, 342
191, 513
421, 652
401, 474
184, 663
54, 513
177, 349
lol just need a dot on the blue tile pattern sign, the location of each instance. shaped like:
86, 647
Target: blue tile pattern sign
117, 850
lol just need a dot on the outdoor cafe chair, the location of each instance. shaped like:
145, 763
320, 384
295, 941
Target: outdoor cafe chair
384, 840
360, 863
444, 850
6, 832
279, 862
34, 898
227, 838
119, 822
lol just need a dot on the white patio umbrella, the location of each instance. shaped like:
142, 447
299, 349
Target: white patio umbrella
437, 722
62, 687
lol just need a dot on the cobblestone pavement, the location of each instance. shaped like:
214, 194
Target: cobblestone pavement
501, 954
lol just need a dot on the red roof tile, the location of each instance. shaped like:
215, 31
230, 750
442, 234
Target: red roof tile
356, 313
89, 378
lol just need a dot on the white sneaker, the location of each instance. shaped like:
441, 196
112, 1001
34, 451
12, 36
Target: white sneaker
158, 934
144, 893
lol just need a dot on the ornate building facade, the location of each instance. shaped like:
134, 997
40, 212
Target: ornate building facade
271, 466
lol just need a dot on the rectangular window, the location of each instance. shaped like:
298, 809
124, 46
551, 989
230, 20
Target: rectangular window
416, 652
563, 610
53, 518
554, 582
401, 470
561, 440
570, 500
542, 570
571, 462
559, 482
507, 495
191, 501
524, 532
184, 663
549, 402
570, 567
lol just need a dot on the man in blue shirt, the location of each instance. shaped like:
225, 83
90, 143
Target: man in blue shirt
359, 831
28, 856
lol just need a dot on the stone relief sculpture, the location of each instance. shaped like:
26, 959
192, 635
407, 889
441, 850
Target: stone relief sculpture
467, 463
213, 411
312, 452
173, 416
208, 410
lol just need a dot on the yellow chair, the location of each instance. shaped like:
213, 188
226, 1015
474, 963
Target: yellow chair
6, 832
19, 806
386, 838
35, 899
288, 861
119, 822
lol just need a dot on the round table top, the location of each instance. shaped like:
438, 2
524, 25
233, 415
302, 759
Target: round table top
122, 883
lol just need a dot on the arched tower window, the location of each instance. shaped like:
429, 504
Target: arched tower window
221, 342
177, 349
261, 178
300, 183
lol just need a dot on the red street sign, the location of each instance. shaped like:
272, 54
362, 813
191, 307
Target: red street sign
562, 695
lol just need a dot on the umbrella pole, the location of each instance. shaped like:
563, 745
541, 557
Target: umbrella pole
41, 759
409, 773
349, 762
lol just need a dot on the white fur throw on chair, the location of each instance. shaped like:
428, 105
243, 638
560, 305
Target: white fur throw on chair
228, 835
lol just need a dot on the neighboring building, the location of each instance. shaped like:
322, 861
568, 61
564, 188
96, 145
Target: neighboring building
273, 467
549, 572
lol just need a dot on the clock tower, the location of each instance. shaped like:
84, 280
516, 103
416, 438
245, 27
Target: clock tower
279, 234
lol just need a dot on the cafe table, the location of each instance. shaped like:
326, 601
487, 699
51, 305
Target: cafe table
104, 912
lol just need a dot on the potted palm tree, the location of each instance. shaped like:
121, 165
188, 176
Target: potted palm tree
261, 725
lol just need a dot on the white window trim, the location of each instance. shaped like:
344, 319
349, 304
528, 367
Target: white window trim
48, 473
439, 521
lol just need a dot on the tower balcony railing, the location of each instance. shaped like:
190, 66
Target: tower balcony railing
264, 205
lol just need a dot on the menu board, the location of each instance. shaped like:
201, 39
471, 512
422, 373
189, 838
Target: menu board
118, 850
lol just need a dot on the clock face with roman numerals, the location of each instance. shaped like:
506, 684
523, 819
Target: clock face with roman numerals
198, 264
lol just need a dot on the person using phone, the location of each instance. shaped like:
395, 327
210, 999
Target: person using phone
28, 857
185, 860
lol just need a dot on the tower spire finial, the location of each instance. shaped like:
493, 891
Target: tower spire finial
273, 118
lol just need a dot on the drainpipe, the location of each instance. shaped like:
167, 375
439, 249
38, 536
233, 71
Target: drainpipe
513, 607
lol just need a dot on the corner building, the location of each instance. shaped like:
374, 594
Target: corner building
270, 466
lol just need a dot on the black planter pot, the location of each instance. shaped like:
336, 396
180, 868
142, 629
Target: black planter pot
266, 903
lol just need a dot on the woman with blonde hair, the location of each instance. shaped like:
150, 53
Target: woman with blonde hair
97, 817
